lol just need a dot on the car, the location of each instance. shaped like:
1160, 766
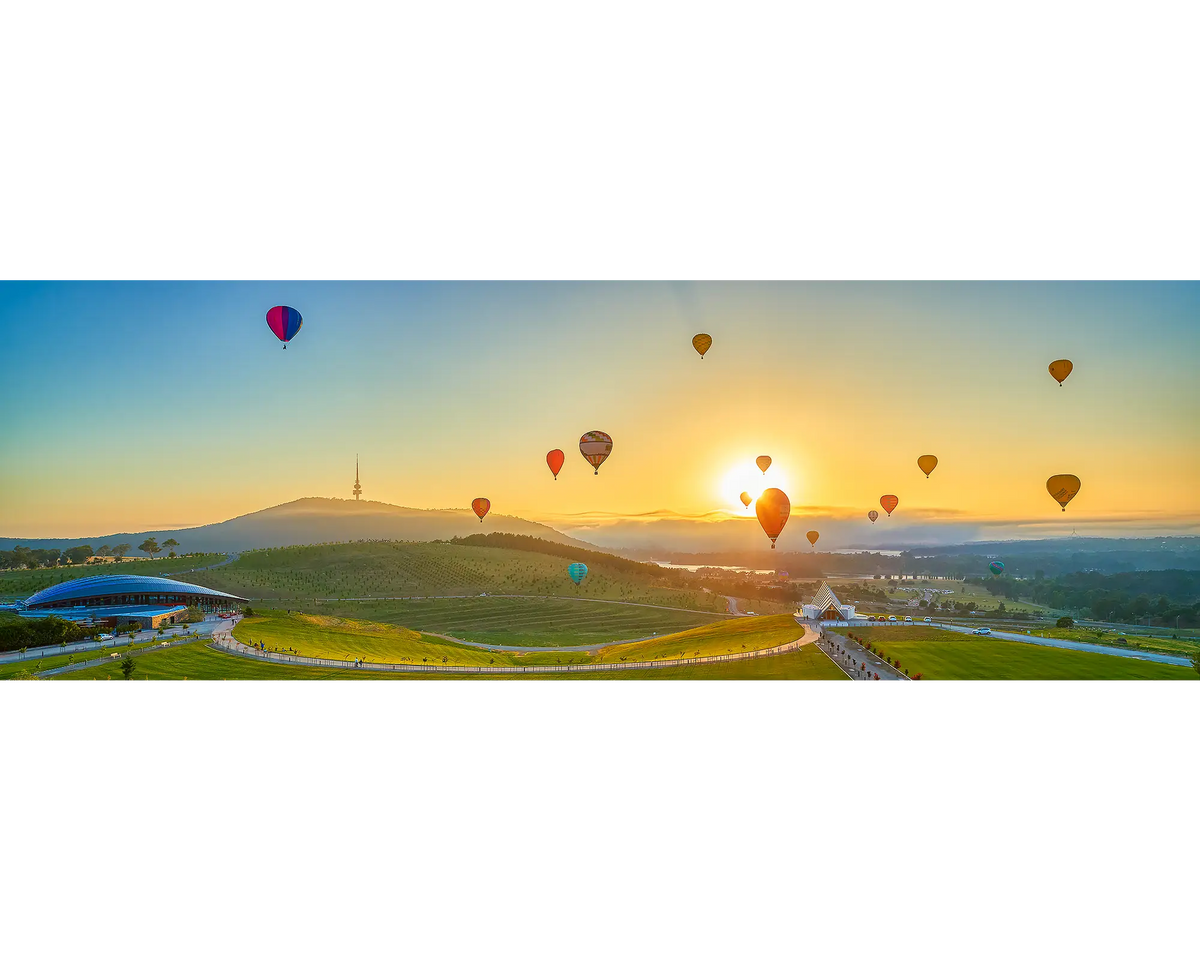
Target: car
892, 620
983, 632
114, 655
929, 619
104, 636
908, 619
870, 619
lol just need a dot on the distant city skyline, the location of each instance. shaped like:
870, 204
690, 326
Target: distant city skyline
139, 406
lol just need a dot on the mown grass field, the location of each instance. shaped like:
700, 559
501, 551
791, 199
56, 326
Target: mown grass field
200, 662
943, 655
516, 621
392, 569
22, 583
345, 639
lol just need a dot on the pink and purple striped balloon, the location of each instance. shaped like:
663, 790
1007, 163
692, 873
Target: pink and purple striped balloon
285, 323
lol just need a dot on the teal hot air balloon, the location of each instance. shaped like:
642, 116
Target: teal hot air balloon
997, 567
577, 571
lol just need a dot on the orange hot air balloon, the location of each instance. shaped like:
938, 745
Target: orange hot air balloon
889, 503
745, 498
481, 505
773, 509
813, 536
927, 463
554, 460
595, 445
873, 515
763, 463
1063, 487
1061, 369
702, 341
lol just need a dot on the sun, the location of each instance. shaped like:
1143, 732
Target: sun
747, 476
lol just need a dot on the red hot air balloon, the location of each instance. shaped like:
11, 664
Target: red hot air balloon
889, 503
554, 460
285, 323
773, 509
481, 505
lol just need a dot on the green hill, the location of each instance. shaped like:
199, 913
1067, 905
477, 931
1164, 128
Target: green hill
365, 570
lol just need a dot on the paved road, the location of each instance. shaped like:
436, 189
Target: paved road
1076, 645
205, 628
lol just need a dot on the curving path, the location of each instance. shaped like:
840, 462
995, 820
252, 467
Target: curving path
237, 648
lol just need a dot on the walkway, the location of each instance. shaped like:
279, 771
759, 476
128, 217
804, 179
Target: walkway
857, 662
237, 648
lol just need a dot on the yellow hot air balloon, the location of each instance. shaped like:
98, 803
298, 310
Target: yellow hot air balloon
813, 536
1061, 369
1063, 487
763, 462
773, 509
702, 341
927, 463
745, 498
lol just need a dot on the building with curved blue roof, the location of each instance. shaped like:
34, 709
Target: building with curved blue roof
120, 598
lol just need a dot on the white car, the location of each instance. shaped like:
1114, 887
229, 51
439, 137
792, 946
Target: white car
104, 636
984, 632
929, 619
892, 620
908, 619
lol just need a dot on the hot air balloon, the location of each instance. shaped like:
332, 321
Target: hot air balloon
285, 323
1063, 487
927, 463
812, 537
873, 514
763, 463
702, 341
481, 505
745, 498
773, 509
577, 571
889, 503
997, 567
1061, 369
554, 460
595, 445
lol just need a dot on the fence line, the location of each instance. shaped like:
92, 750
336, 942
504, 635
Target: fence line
237, 648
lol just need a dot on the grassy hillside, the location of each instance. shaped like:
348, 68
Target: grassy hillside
21, 583
943, 655
534, 622
395, 569
200, 662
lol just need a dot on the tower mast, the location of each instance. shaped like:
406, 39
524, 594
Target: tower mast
357, 485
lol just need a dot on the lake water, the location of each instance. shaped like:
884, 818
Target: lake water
693, 567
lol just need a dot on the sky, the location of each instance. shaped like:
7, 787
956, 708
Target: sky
133, 406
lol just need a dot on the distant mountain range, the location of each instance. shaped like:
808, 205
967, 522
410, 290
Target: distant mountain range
316, 520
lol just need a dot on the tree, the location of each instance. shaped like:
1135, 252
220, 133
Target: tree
128, 666
1066, 622
150, 547
78, 554
170, 545
120, 550
104, 551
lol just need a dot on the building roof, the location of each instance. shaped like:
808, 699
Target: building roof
86, 588
826, 598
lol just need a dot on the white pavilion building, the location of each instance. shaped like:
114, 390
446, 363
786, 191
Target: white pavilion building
826, 606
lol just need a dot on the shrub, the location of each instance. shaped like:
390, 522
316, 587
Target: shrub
916, 676
1065, 622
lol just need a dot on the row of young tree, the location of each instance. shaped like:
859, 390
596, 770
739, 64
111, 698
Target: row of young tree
24, 558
